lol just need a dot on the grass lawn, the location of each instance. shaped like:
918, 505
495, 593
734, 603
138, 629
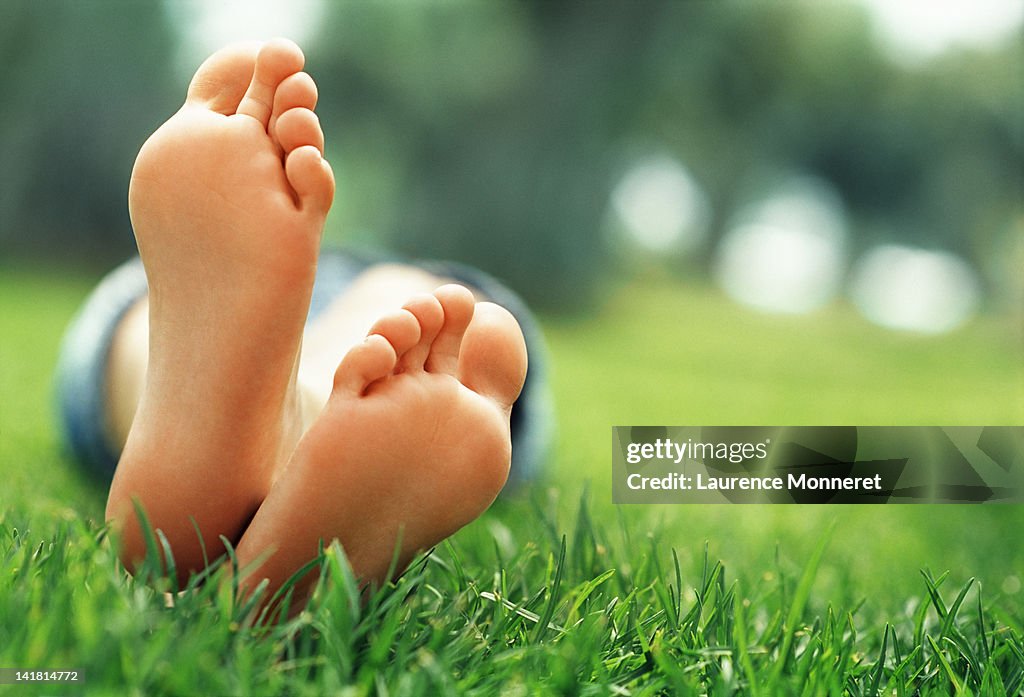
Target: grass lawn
556, 591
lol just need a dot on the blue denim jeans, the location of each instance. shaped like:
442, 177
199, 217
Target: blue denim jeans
82, 366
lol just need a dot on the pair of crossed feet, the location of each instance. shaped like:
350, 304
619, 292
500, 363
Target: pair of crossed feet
228, 200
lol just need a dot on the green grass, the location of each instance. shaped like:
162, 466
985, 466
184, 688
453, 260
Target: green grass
556, 591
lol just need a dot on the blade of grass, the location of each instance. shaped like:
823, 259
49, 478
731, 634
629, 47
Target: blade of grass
947, 624
941, 657
740, 637
147, 572
171, 568
549, 609
983, 639
796, 609
876, 680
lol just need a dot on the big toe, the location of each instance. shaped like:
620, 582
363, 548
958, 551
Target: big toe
493, 360
221, 81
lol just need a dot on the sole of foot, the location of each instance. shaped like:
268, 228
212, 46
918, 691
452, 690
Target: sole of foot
227, 200
414, 443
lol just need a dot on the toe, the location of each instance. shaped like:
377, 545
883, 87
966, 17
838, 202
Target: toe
221, 81
298, 127
363, 364
430, 316
493, 357
276, 60
297, 90
401, 329
457, 303
311, 177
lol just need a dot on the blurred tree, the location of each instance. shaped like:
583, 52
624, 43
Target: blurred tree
82, 84
931, 156
493, 133
504, 114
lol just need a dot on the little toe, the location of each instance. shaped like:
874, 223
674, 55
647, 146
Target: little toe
276, 60
297, 90
311, 178
221, 81
493, 358
430, 316
364, 364
457, 303
401, 329
297, 127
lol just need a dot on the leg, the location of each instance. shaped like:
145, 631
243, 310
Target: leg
344, 323
227, 200
413, 443
126, 371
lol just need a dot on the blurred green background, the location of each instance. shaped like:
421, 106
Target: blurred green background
558, 143
724, 212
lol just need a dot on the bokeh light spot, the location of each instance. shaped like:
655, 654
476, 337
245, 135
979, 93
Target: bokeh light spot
916, 30
785, 253
661, 206
914, 289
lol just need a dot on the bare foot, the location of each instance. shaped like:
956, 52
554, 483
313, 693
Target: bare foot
412, 445
227, 200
